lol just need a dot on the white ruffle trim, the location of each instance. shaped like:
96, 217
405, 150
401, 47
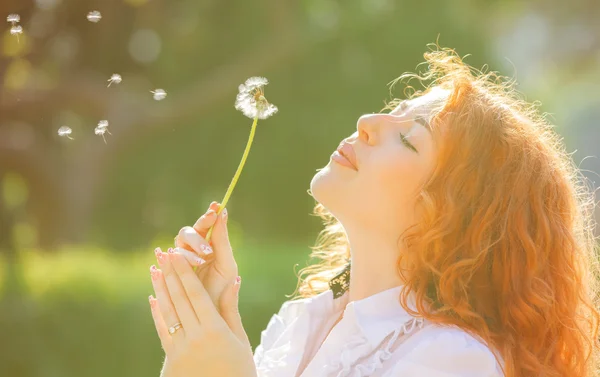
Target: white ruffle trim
272, 360
358, 346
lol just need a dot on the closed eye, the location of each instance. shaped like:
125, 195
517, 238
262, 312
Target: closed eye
407, 143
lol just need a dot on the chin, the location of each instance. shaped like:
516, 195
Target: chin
325, 187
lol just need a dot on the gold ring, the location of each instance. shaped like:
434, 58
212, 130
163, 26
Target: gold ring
175, 327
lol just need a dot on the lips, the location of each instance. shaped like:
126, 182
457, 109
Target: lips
347, 151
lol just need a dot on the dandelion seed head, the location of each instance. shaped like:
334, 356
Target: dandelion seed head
94, 16
15, 30
255, 83
64, 131
159, 94
103, 124
100, 130
13, 18
251, 100
115, 78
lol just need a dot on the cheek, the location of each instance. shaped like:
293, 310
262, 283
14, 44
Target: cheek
392, 174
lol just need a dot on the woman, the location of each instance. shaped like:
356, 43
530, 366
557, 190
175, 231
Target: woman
458, 243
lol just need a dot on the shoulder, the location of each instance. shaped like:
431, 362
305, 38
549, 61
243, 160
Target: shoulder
444, 351
288, 311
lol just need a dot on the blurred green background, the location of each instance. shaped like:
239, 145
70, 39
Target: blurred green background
79, 218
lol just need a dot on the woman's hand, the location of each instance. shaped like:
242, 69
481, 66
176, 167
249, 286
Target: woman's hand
215, 269
206, 344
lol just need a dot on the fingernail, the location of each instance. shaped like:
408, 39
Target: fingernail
210, 213
157, 251
237, 285
161, 258
206, 249
150, 300
225, 214
200, 261
170, 251
154, 272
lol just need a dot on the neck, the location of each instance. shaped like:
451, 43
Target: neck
374, 264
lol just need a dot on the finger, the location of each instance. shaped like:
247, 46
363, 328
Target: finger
182, 304
207, 220
197, 294
161, 328
167, 309
188, 236
224, 255
191, 257
229, 303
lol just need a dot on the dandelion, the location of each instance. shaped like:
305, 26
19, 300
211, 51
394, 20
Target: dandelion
94, 16
65, 131
251, 100
115, 78
102, 129
13, 18
252, 103
159, 94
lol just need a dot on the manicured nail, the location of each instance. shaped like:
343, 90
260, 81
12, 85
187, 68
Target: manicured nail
171, 251
200, 261
237, 285
157, 251
154, 272
225, 214
161, 257
150, 300
206, 249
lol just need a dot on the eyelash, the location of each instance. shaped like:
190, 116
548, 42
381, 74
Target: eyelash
405, 142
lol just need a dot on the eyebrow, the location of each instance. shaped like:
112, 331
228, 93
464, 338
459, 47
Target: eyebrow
419, 119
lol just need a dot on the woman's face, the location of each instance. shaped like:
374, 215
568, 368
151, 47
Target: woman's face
394, 154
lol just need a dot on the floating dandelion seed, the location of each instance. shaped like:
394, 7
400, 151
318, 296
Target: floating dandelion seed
13, 18
102, 129
159, 94
115, 78
94, 16
251, 100
65, 131
16, 30
253, 104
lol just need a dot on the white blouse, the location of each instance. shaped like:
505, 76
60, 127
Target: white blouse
376, 337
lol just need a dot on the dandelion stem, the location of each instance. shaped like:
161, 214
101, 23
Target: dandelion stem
237, 174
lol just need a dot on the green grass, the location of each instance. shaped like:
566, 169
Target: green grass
84, 311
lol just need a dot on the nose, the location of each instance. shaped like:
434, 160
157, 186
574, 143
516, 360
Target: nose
368, 127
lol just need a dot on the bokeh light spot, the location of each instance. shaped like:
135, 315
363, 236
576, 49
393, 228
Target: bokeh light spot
13, 47
17, 74
144, 46
14, 190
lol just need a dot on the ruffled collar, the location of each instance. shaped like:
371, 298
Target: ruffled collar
376, 316
357, 346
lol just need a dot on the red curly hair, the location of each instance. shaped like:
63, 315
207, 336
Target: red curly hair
504, 248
